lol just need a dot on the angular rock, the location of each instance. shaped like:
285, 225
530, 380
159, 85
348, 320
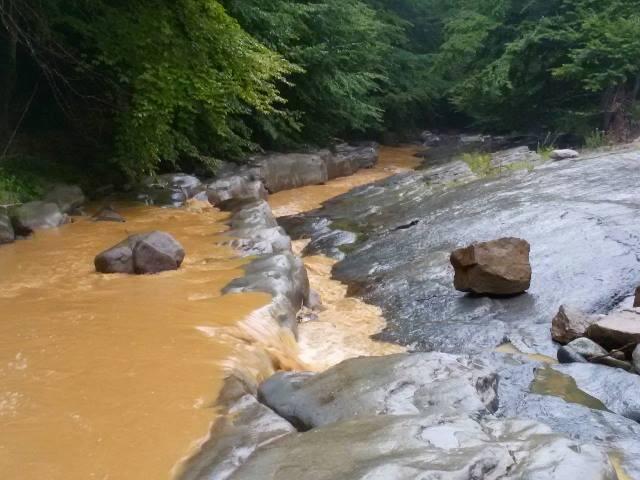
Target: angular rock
36, 215
228, 192
287, 171
570, 323
498, 267
615, 388
7, 235
428, 383
563, 154
617, 330
141, 254
108, 214
69, 198
423, 447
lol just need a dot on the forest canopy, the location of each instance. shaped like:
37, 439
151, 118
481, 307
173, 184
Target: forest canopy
148, 84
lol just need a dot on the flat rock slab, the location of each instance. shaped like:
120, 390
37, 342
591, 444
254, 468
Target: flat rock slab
392, 385
581, 219
424, 447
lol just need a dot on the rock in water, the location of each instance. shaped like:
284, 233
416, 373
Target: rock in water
142, 254
563, 154
108, 214
498, 267
36, 215
7, 234
636, 300
617, 330
570, 323
68, 197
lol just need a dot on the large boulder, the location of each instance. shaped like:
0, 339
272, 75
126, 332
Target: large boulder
427, 447
7, 235
68, 197
142, 254
33, 216
570, 323
430, 383
233, 190
287, 171
348, 159
259, 241
498, 267
617, 330
585, 349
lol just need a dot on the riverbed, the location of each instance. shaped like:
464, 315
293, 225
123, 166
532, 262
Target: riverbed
113, 376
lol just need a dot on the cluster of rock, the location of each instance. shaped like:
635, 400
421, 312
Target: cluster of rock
423, 415
50, 212
612, 340
260, 175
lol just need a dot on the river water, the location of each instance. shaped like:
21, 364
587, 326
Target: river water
114, 376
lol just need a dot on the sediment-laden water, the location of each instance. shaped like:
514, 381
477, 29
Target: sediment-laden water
115, 376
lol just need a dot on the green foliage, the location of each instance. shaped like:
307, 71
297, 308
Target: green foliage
17, 188
479, 163
596, 139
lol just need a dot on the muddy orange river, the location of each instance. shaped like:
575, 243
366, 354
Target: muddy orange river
115, 377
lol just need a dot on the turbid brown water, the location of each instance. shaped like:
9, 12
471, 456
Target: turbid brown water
114, 376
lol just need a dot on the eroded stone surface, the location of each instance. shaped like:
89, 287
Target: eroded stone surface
33, 216
617, 330
393, 385
424, 447
570, 323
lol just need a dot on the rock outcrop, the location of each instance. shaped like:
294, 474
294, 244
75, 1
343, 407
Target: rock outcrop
7, 235
617, 330
108, 214
570, 323
69, 198
426, 383
33, 216
142, 254
418, 446
498, 267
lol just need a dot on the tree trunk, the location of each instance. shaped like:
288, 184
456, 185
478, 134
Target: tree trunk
8, 54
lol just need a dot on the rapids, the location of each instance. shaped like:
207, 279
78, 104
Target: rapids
115, 377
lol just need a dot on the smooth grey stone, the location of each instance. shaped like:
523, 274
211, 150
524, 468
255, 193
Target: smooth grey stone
427, 447
393, 385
